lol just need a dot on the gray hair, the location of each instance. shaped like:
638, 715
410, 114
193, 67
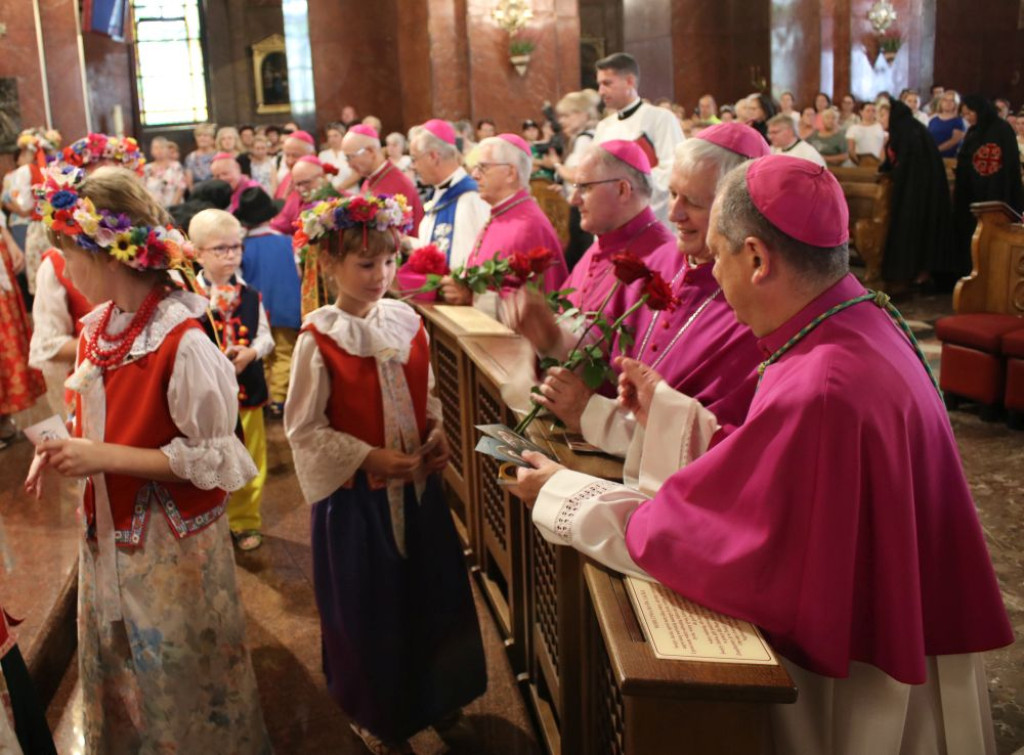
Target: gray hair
505, 152
782, 120
427, 142
639, 181
396, 136
739, 218
696, 153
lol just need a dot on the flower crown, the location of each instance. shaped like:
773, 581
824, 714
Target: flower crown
141, 247
35, 139
379, 212
94, 147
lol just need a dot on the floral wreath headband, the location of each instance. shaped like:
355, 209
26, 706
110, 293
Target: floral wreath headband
37, 139
140, 247
381, 212
95, 147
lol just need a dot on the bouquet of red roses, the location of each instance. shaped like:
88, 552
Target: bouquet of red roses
421, 275
591, 355
515, 270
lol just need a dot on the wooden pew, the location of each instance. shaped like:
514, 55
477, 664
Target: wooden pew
996, 281
537, 591
869, 197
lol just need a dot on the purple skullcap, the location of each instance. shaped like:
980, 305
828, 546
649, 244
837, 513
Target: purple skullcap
516, 141
441, 129
629, 152
801, 199
736, 137
302, 136
365, 130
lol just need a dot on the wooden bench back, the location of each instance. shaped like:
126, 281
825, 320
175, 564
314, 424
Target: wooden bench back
868, 195
996, 282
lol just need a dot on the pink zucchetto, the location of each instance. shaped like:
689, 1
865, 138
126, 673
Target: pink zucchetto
223, 156
801, 199
302, 136
365, 130
314, 160
735, 137
441, 129
516, 141
629, 152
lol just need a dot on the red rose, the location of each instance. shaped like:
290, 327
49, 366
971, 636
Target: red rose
629, 268
428, 260
360, 210
658, 293
519, 264
300, 239
541, 258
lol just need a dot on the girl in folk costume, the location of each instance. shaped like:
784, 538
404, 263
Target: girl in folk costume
161, 646
20, 385
58, 306
238, 324
401, 642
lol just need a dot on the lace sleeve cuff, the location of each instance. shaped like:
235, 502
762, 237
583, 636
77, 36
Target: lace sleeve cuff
590, 515
211, 462
327, 461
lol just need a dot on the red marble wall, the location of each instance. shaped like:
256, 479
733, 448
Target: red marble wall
496, 90
355, 60
719, 48
979, 47
20, 59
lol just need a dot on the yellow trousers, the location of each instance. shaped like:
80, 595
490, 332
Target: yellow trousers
278, 363
244, 503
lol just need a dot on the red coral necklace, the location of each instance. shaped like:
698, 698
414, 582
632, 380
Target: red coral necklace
122, 342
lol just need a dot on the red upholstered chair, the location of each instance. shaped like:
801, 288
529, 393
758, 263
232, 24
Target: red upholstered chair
973, 366
1013, 399
988, 305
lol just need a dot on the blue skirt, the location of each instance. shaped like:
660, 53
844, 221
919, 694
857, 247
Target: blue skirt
401, 640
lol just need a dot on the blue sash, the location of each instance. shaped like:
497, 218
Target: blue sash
444, 215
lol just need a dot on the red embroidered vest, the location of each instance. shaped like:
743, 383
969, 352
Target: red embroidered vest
356, 405
78, 305
138, 416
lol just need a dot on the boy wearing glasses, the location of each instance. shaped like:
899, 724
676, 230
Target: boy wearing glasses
237, 323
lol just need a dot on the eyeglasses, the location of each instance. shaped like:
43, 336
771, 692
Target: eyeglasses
585, 187
484, 167
223, 250
357, 153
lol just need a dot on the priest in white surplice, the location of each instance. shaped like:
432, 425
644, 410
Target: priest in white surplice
618, 76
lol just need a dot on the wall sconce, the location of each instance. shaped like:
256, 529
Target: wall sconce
882, 15
513, 16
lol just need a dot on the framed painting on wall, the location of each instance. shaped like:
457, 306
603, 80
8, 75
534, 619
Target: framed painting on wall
270, 75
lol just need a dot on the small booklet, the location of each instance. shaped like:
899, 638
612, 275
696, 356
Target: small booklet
505, 444
51, 428
679, 629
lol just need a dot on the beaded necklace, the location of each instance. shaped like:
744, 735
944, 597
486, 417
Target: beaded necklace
483, 231
105, 358
880, 300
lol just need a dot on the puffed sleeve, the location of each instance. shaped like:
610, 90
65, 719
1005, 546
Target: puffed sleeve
203, 399
324, 457
51, 321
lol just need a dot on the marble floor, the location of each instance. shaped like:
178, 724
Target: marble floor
37, 553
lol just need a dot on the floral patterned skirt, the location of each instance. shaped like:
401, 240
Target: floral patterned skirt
174, 676
20, 385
